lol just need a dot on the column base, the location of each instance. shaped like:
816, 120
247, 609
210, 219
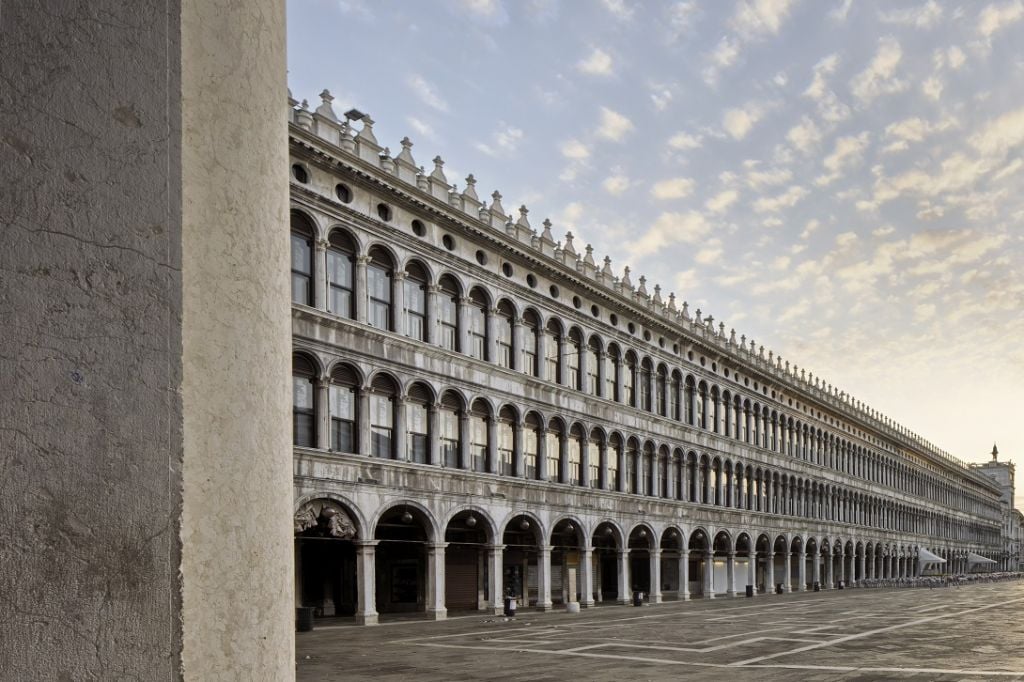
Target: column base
731, 594
496, 610
587, 604
545, 607
709, 596
685, 596
437, 614
655, 599
366, 619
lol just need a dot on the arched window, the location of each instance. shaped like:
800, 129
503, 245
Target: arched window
702, 399
689, 400
531, 327
661, 383
448, 314
573, 349
448, 429
378, 289
303, 402
503, 331
531, 445
476, 324
614, 453
646, 388
418, 423
416, 302
506, 441
553, 351
575, 454
650, 464
715, 409
611, 367
382, 416
593, 386
664, 461
553, 450
479, 441
736, 417
629, 380
341, 259
632, 466
343, 401
594, 457
302, 259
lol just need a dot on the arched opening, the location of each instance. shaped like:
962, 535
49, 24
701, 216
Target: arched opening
629, 371
796, 565
646, 385
448, 313
566, 541
379, 294
632, 466
553, 351
503, 332
341, 267
449, 435
302, 235
812, 572
574, 455
640, 545
415, 302
764, 559
465, 562
700, 568
616, 454
417, 410
476, 324
325, 558
403, 532
607, 543
593, 353
479, 436
672, 574
506, 432
383, 390
304, 374
573, 354
343, 399
780, 564
745, 569
660, 387
531, 335
533, 432
611, 373
723, 580
520, 560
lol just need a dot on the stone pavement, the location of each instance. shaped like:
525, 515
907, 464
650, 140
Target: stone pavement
971, 632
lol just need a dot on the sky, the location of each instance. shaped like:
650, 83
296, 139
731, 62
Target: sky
840, 181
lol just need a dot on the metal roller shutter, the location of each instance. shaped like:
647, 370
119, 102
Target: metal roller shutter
460, 578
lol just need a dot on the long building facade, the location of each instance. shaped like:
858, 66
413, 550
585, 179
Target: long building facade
483, 411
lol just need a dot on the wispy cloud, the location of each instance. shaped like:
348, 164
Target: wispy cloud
613, 125
427, 93
597, 63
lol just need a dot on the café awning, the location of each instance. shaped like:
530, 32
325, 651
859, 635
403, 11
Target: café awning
973, 558
927, 557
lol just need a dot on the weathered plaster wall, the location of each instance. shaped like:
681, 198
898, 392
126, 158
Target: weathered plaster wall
145, 481
90, 358
236, 529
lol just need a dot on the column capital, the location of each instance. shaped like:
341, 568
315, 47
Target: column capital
436, 545
366, 543
496, 548
363, 260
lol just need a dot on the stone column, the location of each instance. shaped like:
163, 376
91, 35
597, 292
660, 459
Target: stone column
465, 459
829, 583
400, 434
430, 319
602, 450
671, 487
398, 302
730, 569
655, 596
622, 468
801, 572
491, 342
492, 445
435, 581
586, 577
462, 330
542, 363
861, 563
433, 437
320, 274
769, 573
363, 421
360, 292
787, 584
517, 451
544, 578
752, 571
625, 589
563, 457
366, 582
585, 461
323, 413
709, 575
684, 574
495, 578
816, 567
542, 455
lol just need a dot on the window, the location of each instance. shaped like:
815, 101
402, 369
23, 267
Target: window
629, 381
382, 417
303, 403
702, 396
632, 460
530, 335
659, 392
378, 286
503, 331
645, 386
552, 352
688, 401
611, 364
415, 302
340, 272
302, 259
506, 443
531, 444
417, 416
448, 427
478, 442
594, 459
593, 386
614, 452
342, 399
673, 398
575, 447
572, 360
448, 315
552, 452
476, 324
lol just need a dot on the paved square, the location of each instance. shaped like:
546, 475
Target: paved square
942, 634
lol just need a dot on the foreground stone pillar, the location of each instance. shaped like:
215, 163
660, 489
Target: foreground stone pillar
709, 575
787, 584
625, 593
436, 609
544, 578
150, 427
769, 573
495, 578
816, 568
587, 577
684, 575
366, 582
801, 573
730, 569
655, 596
752, 571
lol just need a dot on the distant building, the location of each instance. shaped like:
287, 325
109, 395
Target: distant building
482, 409
1002, 473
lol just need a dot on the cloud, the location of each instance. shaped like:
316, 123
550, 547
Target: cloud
722, 201
932, 88
725, 54
618, 9
358, 8
841, 11
830, 108
879, 77
848, 152
915, 129
809, 229
575, 150
710, 253
674, 188
1002, 134
670, 227
791, 197
614, 125
427, 93
661, 95
680, 17
773, 177
739, 122
804, 136
757, 18
599, 63
616, 184
924, 312
997, 17
506, 140
923, 16
955, 57
685, 141
421, 128
490, 12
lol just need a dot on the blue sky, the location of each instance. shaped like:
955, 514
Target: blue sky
840, 181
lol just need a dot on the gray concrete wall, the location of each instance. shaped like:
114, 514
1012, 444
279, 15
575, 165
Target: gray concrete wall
96, 395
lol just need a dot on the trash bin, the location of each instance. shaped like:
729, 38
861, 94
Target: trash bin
750, 590
817, 587
510, 607
841, 585
778, 588
638, 598
304, 618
